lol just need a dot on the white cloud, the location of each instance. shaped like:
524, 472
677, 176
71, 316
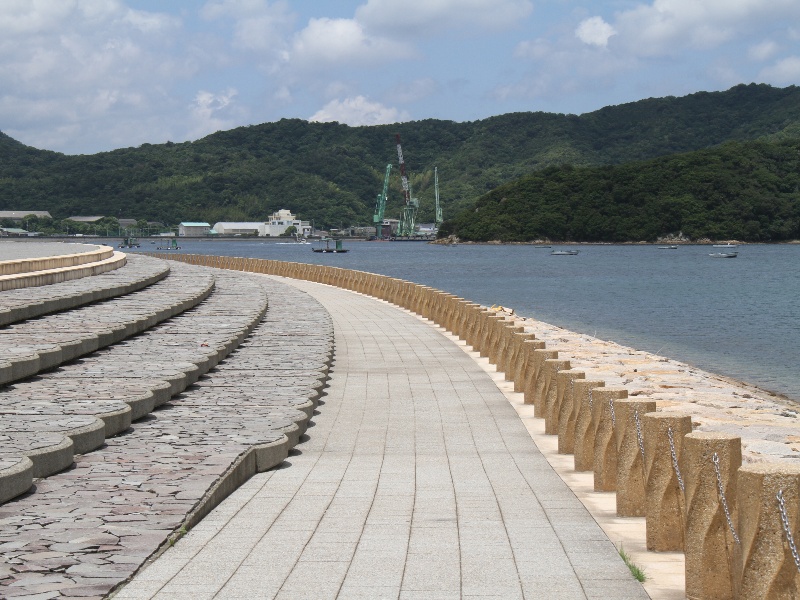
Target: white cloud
762, 51
667, 27
327, 43
258, 25
426, 16
783, 72
594, 32
358, 111
84, 69
208, 110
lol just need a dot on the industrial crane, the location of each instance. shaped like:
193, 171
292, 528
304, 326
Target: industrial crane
438, 218
380, 204
408, 217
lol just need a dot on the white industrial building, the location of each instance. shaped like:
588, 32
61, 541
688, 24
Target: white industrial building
190, 229
238, 228
280, 221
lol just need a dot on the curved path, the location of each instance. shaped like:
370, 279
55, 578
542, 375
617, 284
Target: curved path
418, 480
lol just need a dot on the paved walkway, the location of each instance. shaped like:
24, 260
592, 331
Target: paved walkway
418, 480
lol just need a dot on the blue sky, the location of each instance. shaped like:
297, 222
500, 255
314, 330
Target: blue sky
84, 76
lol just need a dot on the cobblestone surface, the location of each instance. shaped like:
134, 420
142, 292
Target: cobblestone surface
85, 530
27, 303
31, 346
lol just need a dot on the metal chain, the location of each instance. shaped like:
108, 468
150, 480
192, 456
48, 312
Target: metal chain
639, 433
613, 416
590, 398
787, 529
723, 501
675, 466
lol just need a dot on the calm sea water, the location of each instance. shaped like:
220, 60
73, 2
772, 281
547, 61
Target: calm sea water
736, 317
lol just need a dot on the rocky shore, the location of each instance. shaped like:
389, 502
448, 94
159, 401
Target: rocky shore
768, 423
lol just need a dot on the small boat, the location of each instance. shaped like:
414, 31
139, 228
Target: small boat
297, 240
542, 246
667, 247
337, 248
724, 255
564, 252
724, 245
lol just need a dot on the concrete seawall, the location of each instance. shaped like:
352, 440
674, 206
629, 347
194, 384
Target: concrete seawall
759, 430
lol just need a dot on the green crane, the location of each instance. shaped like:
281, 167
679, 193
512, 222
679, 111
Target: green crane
409, 215
380, 204
438, 219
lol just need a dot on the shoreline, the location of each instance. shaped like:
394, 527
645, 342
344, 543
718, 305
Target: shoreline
767, 422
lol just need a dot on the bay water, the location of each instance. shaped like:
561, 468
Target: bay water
735, 317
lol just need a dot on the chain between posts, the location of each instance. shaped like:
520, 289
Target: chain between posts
787, 529
639, 433
723, 501
613, 416
591, 401
675, 466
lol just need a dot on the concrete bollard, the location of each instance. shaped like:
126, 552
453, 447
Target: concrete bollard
459, 318
477, 325
549, 394
515, 354
502, 347
665, 506
605, 447
583, 433
493, 341
487, 322
565, 390
768, 501
631, 456
532, 375
709, 461
524, 361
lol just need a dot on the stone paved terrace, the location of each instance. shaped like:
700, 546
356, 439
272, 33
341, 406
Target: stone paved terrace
418, 480
80, 532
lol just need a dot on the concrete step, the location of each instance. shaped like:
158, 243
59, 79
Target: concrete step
49, 276
127, 381
35, 345
103, 518
138, 272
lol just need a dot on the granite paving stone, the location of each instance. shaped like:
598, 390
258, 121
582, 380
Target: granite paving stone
417, 481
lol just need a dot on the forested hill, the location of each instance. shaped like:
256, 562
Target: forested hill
747, 191
332, 173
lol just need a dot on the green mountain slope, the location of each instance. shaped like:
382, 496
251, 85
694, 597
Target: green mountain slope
747, 191
332, 173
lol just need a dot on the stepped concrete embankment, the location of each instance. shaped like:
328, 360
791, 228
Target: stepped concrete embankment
418, 477
125, 446
549, 380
